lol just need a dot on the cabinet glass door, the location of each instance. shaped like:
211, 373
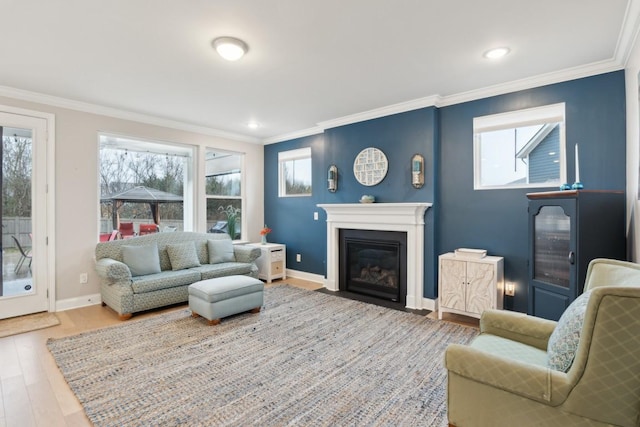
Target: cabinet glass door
552, 234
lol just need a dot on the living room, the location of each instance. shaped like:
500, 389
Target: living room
602, 116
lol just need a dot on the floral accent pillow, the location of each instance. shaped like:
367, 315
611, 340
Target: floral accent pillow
564, 340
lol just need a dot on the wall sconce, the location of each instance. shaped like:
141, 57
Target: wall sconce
417, 171
332, 178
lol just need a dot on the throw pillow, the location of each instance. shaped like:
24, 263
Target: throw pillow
221, 251
564, 340
141, 260
183, 255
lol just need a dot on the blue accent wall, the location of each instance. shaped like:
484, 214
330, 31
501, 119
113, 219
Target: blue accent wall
495, 220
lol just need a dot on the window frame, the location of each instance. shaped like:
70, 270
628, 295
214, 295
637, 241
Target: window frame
520, 118
293, 155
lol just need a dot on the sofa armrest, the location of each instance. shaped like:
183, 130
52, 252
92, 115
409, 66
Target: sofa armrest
530, 381
112, 271
520, 327
245, 253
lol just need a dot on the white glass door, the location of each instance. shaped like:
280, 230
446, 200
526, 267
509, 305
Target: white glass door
24, 284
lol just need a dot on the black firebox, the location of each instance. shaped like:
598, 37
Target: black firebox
374, 263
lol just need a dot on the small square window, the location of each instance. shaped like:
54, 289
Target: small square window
294, 173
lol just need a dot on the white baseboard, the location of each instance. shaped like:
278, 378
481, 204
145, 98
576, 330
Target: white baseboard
83, 301
429, 304
305, 276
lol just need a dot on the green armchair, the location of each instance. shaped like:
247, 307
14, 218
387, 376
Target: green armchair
503, 377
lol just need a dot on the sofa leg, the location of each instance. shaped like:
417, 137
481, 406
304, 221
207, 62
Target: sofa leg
194, 314
126, 316
214, 322
255, 310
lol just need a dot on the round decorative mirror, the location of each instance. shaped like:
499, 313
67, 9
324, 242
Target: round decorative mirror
370, 166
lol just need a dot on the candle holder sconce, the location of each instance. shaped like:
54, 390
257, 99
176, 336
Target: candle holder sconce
417, 170
332, 178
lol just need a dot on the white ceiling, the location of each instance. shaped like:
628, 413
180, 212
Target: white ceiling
310, 63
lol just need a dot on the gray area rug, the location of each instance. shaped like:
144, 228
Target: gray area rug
306, 359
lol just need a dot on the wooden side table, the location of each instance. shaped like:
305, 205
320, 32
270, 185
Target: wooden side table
272, 262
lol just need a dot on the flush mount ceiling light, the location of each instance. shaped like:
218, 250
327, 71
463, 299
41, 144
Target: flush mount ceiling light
496, 53
230, 48
253, 125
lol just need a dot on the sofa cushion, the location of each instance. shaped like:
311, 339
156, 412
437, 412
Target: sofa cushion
221, 251
510, 349
183, 255
564, 340
209, 271
163, 280
141, 260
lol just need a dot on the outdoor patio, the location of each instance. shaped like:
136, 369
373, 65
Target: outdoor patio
14, 282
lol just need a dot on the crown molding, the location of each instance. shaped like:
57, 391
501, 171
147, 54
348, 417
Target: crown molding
293, 135
533, 82
389, 110
473, 95
117, 113
629, 32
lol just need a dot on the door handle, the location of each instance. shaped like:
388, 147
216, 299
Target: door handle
572, 257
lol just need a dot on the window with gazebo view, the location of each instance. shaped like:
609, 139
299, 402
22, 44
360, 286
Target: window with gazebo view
142, 188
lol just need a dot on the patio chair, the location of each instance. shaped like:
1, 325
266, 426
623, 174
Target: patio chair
23, 255
148, 229
125, 230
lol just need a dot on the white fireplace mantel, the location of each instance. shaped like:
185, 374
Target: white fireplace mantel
403, 217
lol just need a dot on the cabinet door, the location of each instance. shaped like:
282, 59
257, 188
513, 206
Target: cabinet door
452, 283
481, 288
552, 267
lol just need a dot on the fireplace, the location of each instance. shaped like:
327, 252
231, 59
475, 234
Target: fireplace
403, 217
374, 263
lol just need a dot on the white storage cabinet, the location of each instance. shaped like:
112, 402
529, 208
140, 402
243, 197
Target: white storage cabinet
468, 286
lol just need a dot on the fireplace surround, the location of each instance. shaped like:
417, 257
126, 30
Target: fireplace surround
404, 217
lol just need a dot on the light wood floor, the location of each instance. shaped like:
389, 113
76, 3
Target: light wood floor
32, 389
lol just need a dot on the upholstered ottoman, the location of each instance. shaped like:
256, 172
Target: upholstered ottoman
216, 298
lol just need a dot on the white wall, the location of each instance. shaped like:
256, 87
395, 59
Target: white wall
76, 186
633, 151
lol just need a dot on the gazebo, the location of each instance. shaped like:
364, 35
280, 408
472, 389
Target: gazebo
140, 194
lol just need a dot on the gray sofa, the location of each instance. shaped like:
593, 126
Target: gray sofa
156, 270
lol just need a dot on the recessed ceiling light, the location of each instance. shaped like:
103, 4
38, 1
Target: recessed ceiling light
230, 48
496, 53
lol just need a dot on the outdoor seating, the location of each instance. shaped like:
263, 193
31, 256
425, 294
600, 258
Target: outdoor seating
24, 255
126, 230
148, 229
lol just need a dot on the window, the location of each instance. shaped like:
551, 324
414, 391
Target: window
223, 183
520, 149
294, 173
144, 182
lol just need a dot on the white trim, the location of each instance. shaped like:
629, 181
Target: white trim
628, 33
404, 217
293, 135
389, 110
51, 194
303, 275
78, 302
121, 114
429, 304
459, 98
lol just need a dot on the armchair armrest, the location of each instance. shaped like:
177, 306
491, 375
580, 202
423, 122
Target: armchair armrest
530, 381
520, 327
112, 270
245, 253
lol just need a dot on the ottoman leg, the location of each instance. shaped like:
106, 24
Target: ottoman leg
214, 322
255, 310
